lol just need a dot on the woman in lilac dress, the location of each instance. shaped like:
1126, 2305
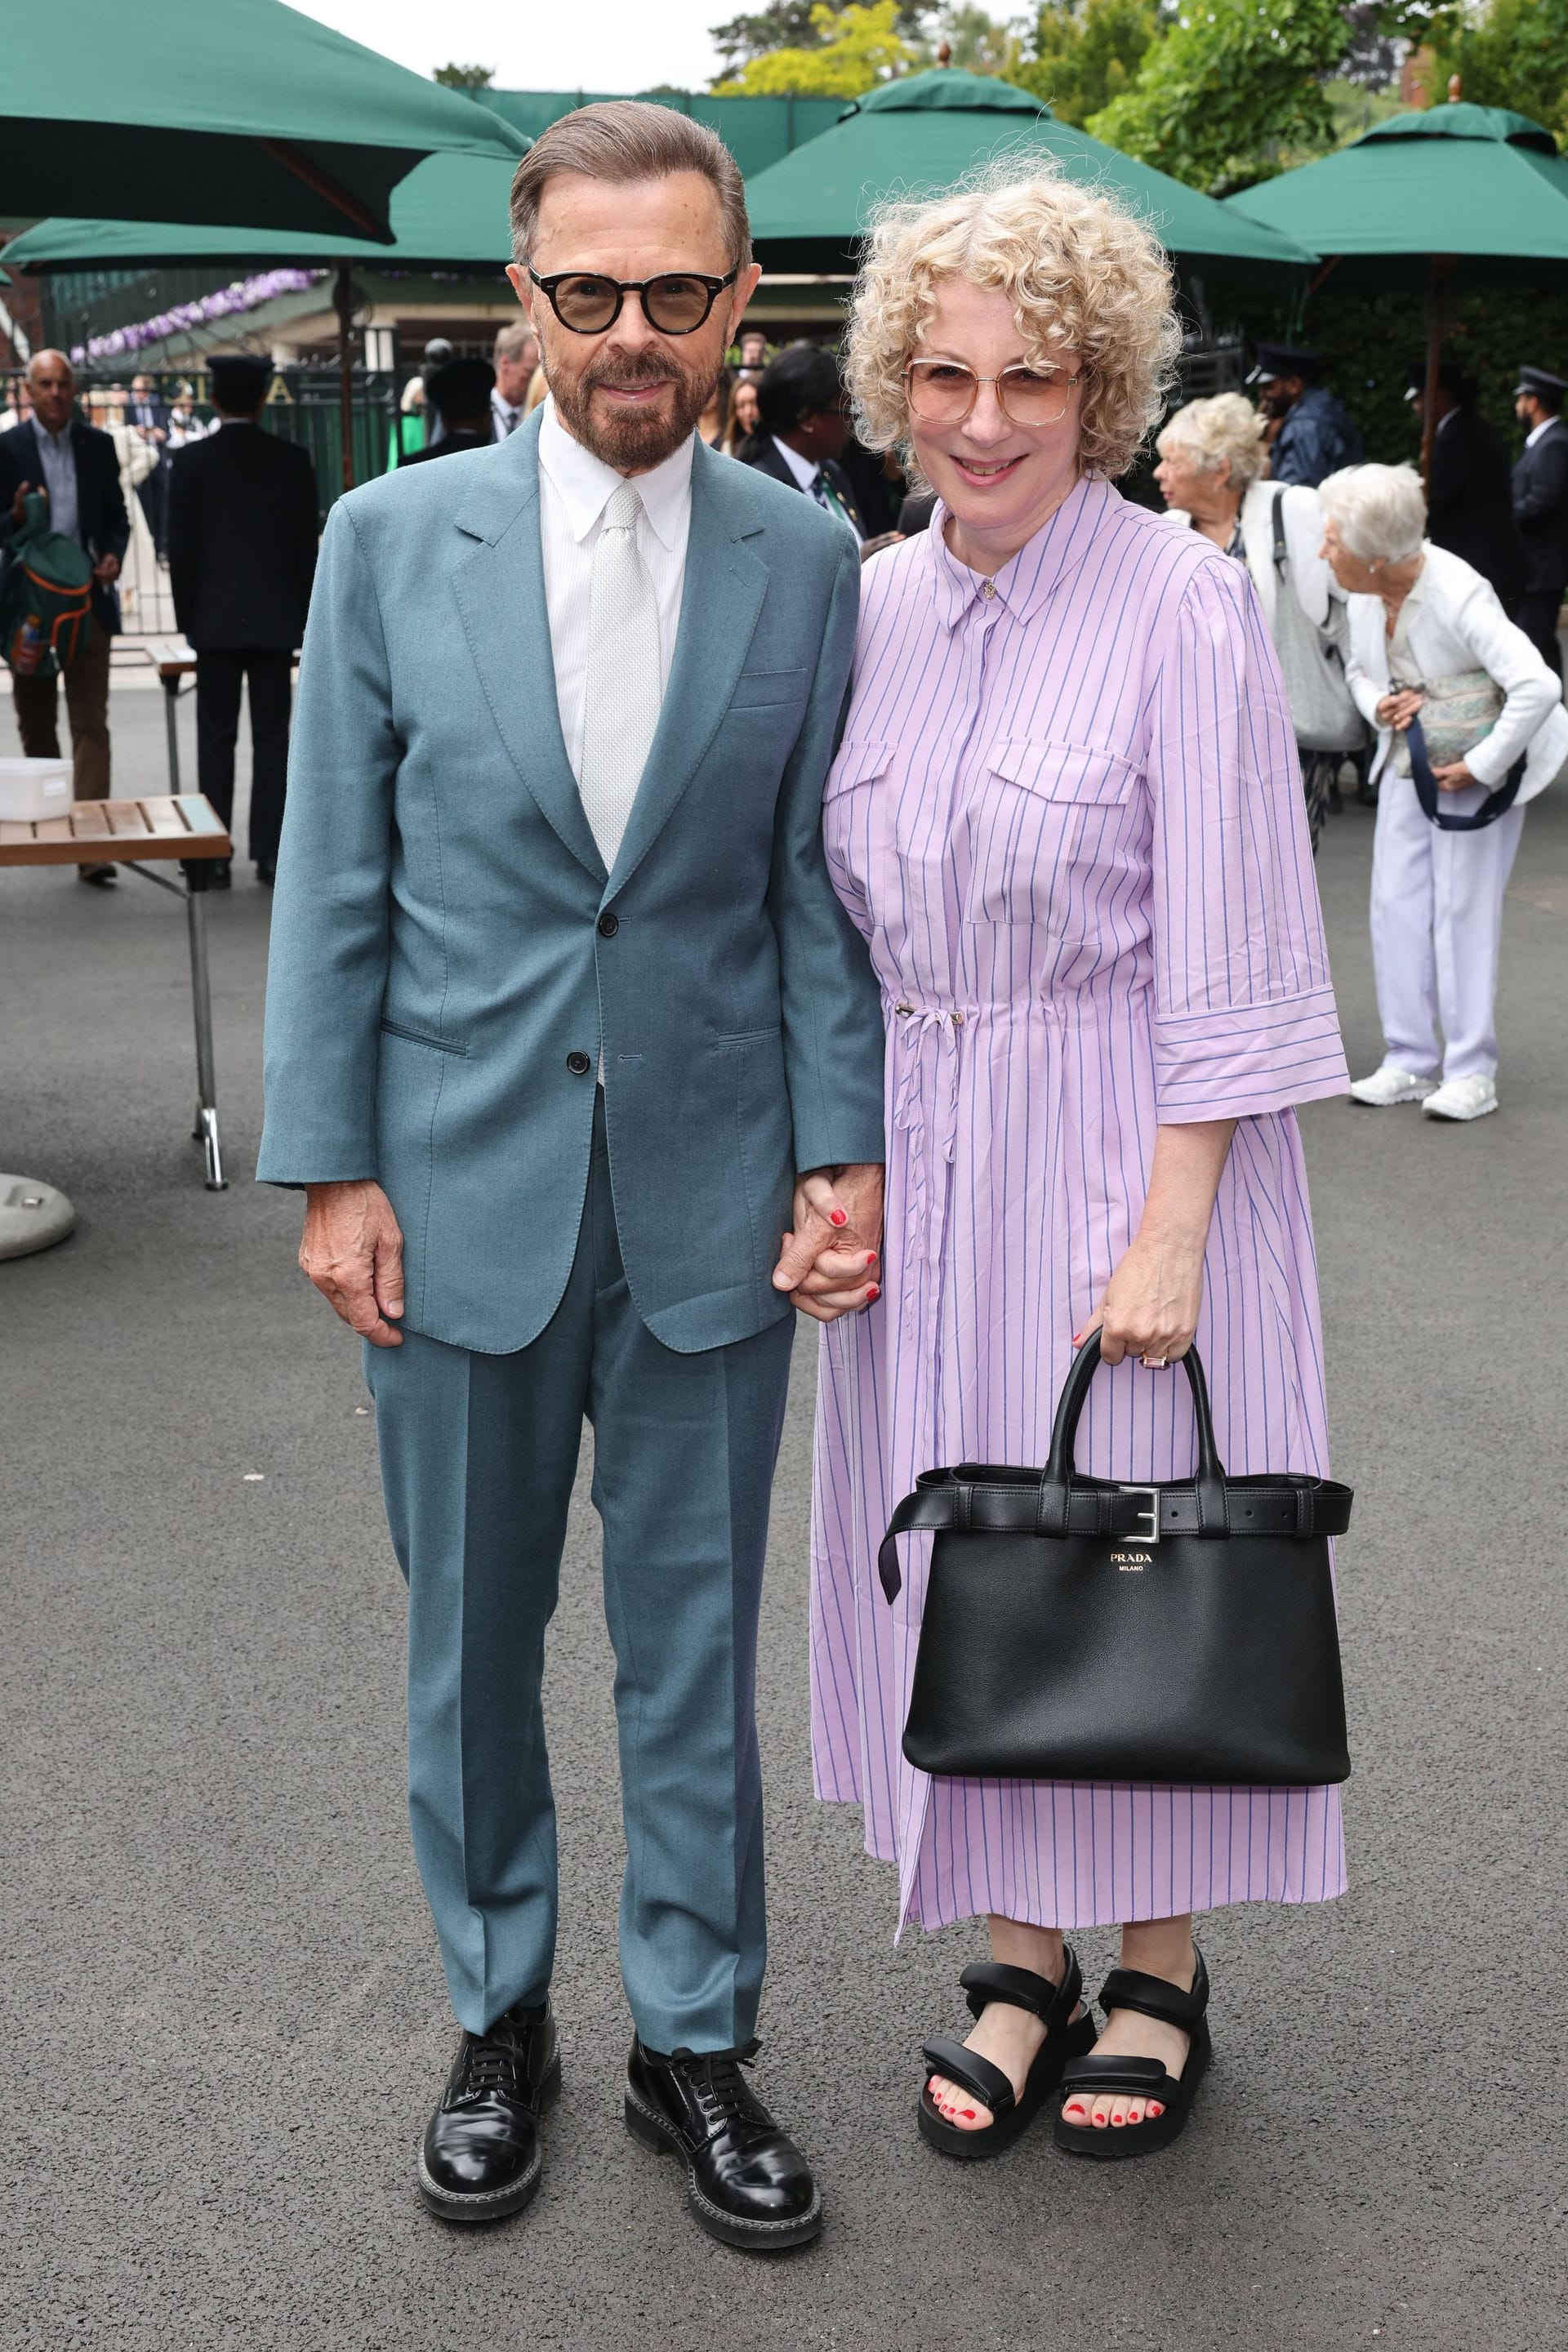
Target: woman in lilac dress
1066, 817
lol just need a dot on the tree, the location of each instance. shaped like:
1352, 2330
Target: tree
857, 47
1086, 52
1514, 55
1231, 82
978, 43
784, 25
470, 78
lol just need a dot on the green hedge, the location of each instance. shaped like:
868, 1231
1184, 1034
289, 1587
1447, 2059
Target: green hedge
1368, 341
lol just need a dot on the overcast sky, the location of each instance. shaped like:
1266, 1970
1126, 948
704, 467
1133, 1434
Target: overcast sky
603, 45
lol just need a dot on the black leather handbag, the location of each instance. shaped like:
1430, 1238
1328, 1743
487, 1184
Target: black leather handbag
1076, 1629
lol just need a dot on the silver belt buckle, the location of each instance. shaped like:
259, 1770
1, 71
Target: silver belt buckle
1150, 1511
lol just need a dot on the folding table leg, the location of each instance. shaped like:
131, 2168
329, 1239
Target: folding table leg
205, 1130
171, 701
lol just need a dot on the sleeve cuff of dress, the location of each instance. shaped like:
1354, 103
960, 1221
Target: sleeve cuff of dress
1249, 1059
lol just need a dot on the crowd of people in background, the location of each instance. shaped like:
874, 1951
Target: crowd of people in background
1248, 474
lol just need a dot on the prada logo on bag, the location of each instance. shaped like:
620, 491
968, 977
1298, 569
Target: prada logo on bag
1129, 1559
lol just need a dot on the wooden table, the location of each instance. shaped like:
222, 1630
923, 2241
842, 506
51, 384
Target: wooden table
138, 834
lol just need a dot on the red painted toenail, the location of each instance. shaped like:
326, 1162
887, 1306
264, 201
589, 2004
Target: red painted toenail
1156, 2110
1074, 2110
968, 2114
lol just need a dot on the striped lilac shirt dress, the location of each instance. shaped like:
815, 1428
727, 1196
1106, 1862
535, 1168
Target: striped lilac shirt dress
1066, 817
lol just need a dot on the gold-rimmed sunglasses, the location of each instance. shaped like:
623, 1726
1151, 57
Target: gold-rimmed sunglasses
943, 391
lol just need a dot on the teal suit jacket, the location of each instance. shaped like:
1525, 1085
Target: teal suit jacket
449, 958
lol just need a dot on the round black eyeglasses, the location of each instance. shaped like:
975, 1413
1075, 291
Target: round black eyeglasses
676, 304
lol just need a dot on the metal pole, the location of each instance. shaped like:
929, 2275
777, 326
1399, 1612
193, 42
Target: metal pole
206, 1133
344, 303
1437, 271
171, 696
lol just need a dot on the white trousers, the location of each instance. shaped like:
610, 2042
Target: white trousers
1436, 922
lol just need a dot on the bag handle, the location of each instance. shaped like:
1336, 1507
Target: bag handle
1061, 1468
1497, 803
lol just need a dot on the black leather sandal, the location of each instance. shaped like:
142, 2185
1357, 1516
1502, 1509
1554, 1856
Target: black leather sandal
1141, 2078
1066, 2038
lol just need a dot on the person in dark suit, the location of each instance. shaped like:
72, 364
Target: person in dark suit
243, 527
1541, 508
76, 468
459, 392
803, 429
148, 417
1470, 506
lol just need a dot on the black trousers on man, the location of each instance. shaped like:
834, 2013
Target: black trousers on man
1537, 616
218, 678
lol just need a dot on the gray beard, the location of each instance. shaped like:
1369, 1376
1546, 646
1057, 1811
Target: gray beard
631, 442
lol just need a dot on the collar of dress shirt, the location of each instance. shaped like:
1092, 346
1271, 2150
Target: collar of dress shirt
1545, 425
1026, 580
803, 469
60, 441
585, 483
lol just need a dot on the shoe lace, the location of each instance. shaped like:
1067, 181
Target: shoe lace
489, 2066
721, 2089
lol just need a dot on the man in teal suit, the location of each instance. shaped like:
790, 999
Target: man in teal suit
567, 1038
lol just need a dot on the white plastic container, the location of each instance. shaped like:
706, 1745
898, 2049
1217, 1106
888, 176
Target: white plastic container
31, 790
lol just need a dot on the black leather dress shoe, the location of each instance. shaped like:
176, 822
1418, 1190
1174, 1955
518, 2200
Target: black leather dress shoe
480, 2156
746, 2181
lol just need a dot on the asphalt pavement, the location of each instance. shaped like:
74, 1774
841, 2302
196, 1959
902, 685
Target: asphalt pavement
222, 2020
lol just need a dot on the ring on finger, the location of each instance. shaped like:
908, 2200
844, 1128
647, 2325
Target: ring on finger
1155, 1363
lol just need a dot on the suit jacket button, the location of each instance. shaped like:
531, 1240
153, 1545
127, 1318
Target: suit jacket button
609, 925
579, 1065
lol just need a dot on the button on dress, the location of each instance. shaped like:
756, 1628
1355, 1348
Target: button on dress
1066, 817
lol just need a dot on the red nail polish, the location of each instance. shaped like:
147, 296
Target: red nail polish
872, 1295
870, 1257
1074, 2110
1078, 1338
836, 1217
968, 2113
1155, 2110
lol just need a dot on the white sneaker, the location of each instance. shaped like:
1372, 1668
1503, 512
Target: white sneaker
1462, 1098
1390, 1085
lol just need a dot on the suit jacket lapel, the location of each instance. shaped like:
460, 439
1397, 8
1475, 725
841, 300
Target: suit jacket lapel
720, 599
500, 590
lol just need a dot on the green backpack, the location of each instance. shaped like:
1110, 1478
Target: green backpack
46, 604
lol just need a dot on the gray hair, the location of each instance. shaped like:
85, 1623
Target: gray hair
1224, 430
513, 340
1381, 511
624, 139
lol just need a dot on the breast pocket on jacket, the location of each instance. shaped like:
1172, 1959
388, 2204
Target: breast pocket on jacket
1043, 816
761, 689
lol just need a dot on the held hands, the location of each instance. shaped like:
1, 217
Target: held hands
1453, 778
829, 1261
107, 569
1398, 711
351, 1249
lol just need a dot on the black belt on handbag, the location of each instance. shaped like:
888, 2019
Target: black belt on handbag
973, 1500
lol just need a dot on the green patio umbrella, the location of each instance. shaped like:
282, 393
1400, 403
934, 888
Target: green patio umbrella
239, 111
1458, 195
450, 213
926, 132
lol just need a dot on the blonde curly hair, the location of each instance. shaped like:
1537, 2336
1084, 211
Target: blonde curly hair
1224, 430
1084, 277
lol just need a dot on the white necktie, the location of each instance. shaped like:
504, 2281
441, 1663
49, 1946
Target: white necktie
624, 688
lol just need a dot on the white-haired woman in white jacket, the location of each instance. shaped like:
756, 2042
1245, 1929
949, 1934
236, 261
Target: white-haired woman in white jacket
1428, 635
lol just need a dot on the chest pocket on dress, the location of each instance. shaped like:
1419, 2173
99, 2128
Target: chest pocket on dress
857, 818
1040, 813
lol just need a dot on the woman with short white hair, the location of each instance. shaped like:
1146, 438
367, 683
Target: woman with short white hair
1470, 726
1212, 473
1066, 818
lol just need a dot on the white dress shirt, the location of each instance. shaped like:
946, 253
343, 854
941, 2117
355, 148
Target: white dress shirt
1532, 437
574, 489
505, 418
805, 469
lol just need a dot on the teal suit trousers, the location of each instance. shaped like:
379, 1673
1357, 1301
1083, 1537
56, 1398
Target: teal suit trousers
479, 1453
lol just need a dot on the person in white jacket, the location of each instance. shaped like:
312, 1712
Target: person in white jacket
1212, 473
1427, 632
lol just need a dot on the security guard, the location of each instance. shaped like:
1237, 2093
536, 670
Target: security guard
1316, 433
1541, 506
1469, 508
